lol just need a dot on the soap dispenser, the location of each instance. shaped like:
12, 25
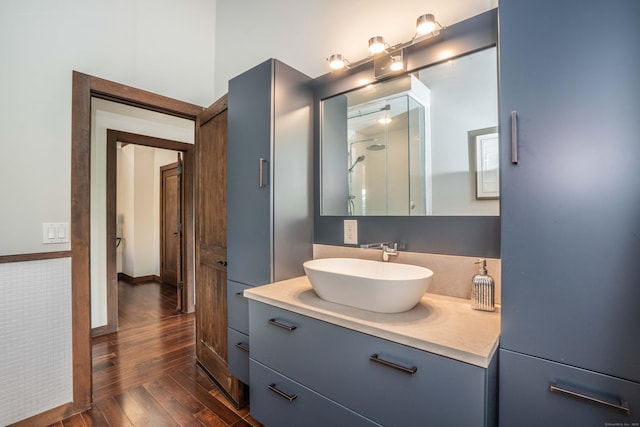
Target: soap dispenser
483, 289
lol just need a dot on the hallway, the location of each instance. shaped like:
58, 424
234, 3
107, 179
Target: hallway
146, 375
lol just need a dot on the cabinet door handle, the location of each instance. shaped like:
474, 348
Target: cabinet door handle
410, 371
289, 397
243, 346
514, 137
274, 322
261, 164
622, 405
222, 263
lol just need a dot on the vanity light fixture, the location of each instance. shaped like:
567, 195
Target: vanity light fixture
426, 26
397, 63
377, 45
337, 61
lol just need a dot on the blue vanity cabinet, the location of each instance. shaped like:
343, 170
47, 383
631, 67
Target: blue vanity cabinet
570, 209
277, 401
269, 187
383, 381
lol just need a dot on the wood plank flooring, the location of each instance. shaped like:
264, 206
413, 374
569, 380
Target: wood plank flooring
146, 375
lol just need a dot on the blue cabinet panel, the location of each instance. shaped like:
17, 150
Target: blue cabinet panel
276, 401
527, 399
269, 182
238, 345
248, 204
336, 362
269, 176
237, 307
570, 206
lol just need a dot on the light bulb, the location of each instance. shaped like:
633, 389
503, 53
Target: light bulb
384, 120
425, 24
396, 64
336, 61
376, 44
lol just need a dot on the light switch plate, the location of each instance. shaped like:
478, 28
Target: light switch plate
350, 231
55, 232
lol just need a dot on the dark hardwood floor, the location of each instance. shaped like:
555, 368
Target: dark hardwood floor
146, 375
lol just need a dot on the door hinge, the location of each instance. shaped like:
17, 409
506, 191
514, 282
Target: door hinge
180, 285
179, 169
179, 227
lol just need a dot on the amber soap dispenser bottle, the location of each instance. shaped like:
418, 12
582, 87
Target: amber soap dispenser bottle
482, 289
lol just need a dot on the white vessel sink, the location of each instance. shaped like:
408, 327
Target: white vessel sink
382, 287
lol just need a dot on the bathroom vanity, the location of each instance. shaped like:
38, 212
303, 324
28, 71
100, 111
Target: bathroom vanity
314, 362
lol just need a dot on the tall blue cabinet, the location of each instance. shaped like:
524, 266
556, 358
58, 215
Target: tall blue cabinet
269, 189
570, 220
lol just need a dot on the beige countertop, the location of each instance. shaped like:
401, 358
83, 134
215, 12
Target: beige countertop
438, 324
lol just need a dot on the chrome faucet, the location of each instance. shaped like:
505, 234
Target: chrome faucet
387, 250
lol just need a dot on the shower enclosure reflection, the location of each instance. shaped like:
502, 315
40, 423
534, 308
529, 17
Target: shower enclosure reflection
386, 155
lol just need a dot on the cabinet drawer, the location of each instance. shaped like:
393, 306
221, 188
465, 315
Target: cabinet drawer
336, 362
588, 399
237, 307
238, 345
273, 403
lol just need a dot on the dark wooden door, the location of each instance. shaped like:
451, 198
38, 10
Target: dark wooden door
170, 224
211, 249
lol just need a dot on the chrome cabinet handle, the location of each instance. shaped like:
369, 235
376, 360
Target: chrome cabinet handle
243, 346
274, 322
289, 397
514, 137
410, 371
261, 182
622, 405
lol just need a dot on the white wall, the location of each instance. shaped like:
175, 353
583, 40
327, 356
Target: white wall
304, 33
159, 45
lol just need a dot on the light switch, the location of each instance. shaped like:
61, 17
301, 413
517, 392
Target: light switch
55, 232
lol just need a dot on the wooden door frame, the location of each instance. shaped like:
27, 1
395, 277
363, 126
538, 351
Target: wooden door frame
188, 153
85, 87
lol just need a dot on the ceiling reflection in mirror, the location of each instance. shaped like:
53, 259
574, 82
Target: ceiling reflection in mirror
424, 143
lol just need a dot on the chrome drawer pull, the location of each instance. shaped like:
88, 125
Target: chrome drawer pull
243, 346
410, 371
514, 137
622, 406
289, 397
262, 161
274, 322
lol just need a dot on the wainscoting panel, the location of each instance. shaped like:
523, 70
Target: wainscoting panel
35, 337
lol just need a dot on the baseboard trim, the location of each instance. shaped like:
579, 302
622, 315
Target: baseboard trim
138, 280
50, 416
103, 330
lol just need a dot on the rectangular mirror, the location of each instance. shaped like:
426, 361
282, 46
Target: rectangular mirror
421, 144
